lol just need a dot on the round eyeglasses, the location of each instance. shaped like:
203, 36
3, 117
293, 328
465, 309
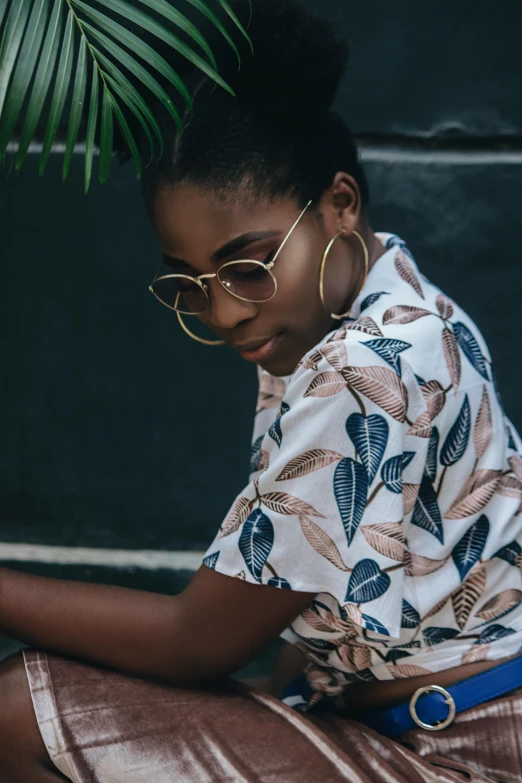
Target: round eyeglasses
249, 280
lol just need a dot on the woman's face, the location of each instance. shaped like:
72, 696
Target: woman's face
192, 225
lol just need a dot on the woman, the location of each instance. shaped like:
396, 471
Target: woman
379, 531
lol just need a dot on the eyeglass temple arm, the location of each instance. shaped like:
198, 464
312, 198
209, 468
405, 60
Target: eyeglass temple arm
269, 266
156, 275
285, 240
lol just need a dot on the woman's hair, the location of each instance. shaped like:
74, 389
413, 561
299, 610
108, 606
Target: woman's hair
279, 136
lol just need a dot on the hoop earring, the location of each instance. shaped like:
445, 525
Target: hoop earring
321, 274
194, 336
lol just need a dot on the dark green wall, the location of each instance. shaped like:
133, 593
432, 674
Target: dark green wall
116, 429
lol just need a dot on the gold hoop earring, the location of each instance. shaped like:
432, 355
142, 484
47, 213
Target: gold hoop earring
194, 336
321, 273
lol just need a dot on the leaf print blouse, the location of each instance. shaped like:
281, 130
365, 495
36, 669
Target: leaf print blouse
387, 480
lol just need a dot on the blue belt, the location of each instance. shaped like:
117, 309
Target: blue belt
432, 707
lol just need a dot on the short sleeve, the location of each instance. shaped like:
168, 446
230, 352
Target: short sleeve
340, 468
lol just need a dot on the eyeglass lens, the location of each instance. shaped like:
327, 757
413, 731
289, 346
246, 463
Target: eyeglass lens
248, 280
181, 293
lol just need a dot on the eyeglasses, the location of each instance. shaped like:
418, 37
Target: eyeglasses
246, 279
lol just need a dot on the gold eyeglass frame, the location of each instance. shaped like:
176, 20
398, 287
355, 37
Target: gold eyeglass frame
267, 267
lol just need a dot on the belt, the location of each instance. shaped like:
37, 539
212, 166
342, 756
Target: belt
432, 707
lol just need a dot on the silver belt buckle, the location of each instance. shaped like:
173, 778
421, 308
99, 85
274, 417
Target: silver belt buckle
450, 701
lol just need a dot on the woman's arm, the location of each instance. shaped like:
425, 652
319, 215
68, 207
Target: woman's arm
211, 629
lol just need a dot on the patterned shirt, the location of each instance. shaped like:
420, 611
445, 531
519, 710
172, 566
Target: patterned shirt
387, 480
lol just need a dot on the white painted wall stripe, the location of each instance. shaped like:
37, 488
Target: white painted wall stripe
116, 558
398, 154
369, 153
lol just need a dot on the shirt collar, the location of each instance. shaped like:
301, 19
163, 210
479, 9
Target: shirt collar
383, 274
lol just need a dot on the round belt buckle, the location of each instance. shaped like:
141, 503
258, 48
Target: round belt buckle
450, 701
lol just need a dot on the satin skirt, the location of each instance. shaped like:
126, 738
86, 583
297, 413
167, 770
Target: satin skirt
104, 727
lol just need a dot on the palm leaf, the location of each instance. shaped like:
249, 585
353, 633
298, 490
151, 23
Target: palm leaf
91, 126
120, 7
63, 78
23, 72
130, 95
11, 39
206, 11
42, 56
3, 9
138, 71
170, 13
42, 81
80, 84
236, 21
129, 138
106, 135
124, 89
135, 44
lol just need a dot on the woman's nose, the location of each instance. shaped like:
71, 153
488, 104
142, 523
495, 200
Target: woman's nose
226, 310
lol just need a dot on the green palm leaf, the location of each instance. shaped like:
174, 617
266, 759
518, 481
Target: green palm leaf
91, 125
176, 43
135, 44
181, 21
164, 8
11, 39
61, 85
131, 97
80, 84
42, 81
236, 21
143, 75
42, 53
24, 68
3, 10
129, 138
106, 135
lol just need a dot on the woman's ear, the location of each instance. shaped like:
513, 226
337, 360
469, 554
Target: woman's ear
341, 204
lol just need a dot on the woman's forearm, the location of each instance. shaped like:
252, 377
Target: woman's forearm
129, 630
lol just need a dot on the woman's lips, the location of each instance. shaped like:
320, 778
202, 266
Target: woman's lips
262, 352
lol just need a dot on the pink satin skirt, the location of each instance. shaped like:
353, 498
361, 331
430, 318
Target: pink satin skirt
103, 727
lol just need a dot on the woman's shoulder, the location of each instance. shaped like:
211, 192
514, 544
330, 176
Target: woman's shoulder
401, 319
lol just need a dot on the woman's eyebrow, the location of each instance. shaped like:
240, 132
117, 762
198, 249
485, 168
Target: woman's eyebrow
240, 242
228, 249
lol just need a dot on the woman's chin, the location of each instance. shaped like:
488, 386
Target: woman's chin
279, 366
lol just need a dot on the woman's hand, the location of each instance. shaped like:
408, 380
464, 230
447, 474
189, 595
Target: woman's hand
289, 664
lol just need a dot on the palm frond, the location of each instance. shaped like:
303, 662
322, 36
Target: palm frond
107, 130
61, 85
91, 125
11, 40
234, 18
24, 67
3, 10
132, 98
58, 53
78, 97
42, 81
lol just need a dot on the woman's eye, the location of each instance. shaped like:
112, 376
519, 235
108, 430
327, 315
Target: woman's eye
251, 271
